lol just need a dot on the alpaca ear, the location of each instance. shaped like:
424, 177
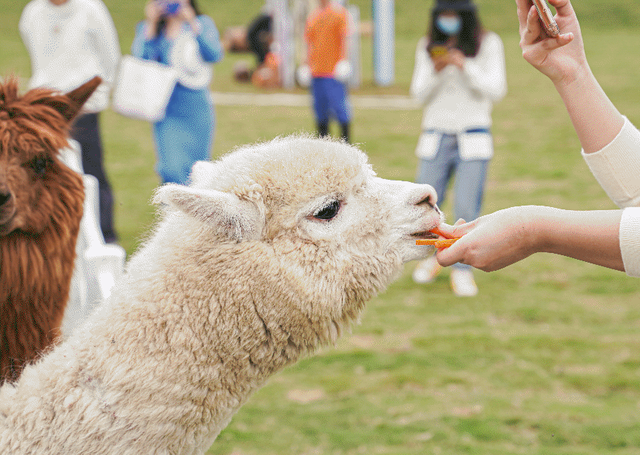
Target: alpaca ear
77, 98
201, 173
226, 213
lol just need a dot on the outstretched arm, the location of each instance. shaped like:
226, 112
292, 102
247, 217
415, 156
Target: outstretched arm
607, 238
494, 241
595, 119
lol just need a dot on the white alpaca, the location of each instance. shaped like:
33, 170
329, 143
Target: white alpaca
271, 252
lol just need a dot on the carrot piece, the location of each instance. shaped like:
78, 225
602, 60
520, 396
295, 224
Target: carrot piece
437, 231
438, 243
446, 243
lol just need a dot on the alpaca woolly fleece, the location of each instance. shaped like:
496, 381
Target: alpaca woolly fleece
271, 252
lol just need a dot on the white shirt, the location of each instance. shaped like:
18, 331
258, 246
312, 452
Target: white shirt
69, 44
617, 168
457, 100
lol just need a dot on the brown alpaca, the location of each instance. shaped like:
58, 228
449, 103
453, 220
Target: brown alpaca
40, 211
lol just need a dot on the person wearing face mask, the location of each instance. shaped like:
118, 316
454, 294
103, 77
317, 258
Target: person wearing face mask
459, 74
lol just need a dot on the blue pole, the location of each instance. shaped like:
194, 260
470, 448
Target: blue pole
383, 42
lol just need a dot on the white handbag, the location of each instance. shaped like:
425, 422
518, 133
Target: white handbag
143, 88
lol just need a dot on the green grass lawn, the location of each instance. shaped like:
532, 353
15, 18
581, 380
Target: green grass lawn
546, 360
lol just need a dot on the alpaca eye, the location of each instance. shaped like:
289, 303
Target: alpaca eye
329, 211
40, 165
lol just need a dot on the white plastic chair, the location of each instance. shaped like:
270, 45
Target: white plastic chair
98, 264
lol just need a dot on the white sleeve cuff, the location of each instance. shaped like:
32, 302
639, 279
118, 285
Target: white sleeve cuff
617, 166
630, 240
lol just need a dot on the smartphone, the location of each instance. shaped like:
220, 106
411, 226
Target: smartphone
169, 8
546, 17
438, 51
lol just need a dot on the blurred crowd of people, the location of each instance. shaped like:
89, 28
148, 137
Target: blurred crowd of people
458, 75
70, 41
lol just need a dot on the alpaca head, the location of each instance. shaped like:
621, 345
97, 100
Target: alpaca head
314, 230
41, 202
34, 183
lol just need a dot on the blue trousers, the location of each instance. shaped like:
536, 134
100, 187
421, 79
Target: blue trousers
330, 100
470, 177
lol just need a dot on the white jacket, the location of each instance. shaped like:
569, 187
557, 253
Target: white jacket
69, 44
617, 168
457, 100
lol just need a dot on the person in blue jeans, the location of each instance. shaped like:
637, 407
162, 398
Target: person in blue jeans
326, 34
330, 99
177, 34
459, 74
469, 181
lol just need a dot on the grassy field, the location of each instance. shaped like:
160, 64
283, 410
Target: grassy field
546, 360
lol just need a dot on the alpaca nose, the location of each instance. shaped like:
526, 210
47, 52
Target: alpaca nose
5, 197
428, 196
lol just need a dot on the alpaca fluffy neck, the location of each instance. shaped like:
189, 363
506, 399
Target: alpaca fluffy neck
188, 384
224, 327
34, 288
200, 350
186, 337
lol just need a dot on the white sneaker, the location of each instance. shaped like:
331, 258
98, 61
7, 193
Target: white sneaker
426, 271
462, 283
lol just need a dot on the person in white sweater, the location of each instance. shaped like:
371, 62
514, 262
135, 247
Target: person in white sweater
459, 74
70, 42
610, 146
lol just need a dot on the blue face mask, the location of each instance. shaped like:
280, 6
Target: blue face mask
449, 25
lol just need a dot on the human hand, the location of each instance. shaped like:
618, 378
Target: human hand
456, 58
442, 57
439, 62
561, 58
187, 14
493, 241
152, 11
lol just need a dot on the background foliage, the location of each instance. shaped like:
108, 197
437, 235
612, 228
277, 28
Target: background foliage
546, 360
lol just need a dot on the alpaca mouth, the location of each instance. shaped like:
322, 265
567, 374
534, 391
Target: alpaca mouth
424, 235
6, 219
5, 228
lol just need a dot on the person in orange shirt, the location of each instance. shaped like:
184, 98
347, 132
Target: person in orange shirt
326, 37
